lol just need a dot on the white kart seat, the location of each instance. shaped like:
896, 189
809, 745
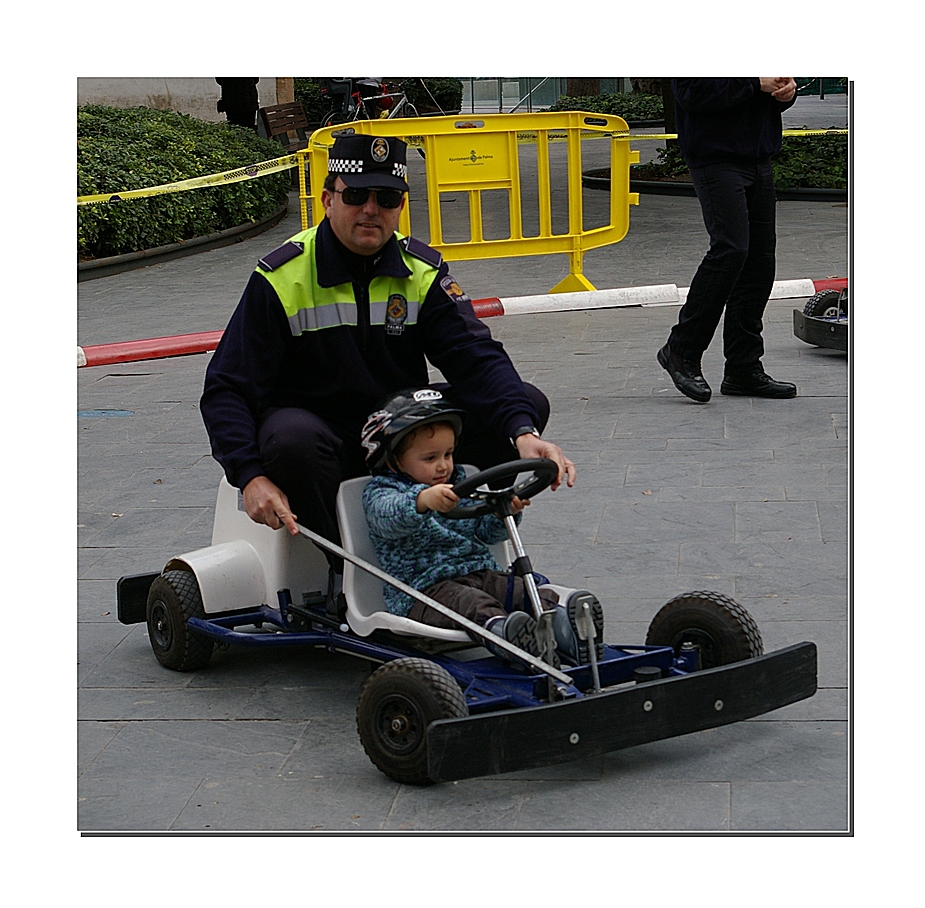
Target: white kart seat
366, 608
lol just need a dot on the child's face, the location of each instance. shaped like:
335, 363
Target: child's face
429, 456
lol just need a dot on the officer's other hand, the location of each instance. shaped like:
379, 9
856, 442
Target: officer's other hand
266, 503
785, 90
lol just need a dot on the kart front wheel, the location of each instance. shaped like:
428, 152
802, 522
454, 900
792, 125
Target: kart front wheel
397, 703
718, 626
827, 304
173, 599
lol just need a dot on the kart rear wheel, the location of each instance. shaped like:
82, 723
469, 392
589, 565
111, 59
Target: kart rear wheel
722, 629
397, 703
173, 599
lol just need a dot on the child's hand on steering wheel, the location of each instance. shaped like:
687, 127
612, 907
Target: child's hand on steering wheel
440, 497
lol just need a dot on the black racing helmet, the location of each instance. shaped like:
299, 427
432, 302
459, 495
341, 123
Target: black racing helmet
398, 415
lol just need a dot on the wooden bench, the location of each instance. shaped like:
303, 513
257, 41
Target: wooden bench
287, 124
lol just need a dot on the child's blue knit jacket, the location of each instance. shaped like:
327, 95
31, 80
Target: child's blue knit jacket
423, 549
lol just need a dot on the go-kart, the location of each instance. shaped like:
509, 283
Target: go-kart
824, 320
441, 706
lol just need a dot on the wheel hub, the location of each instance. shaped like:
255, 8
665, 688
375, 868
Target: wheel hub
401, 725
161, 630
700, 639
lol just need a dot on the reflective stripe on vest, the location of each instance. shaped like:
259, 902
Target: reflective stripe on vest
394, 302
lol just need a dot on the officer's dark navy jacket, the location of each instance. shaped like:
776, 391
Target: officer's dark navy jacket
326, 347
726, 119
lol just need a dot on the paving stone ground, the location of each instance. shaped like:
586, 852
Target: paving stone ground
746, 497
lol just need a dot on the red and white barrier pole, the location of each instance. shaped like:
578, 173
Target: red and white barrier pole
151, 348
656, 295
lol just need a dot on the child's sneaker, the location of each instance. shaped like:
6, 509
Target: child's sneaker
571, 646
518, 628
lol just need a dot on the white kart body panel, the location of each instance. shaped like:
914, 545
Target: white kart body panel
230, 575
366, 608
248, 562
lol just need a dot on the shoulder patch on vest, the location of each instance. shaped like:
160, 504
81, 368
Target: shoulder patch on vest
453, 290
279, 256
421, 251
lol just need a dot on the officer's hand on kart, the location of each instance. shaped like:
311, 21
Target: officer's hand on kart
266, 503
529, 446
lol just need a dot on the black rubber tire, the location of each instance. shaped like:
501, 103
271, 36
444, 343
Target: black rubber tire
173, 599
397, 703
722, 629
826, 304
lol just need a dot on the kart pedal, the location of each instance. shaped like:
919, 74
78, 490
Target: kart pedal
587, 622
546, 639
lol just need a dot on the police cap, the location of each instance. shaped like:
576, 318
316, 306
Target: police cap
373, 162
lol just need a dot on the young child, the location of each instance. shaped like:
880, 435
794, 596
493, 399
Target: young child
410, 443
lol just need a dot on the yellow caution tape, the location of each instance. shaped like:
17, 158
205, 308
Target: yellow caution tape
287, 161
216, 179
787, 132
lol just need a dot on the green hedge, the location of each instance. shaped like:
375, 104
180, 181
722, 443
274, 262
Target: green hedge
803, 162
817, 162
122, 149
308, 92
447, 93
628, 105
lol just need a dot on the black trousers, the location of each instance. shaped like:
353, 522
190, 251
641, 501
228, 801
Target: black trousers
737, 273
308, 458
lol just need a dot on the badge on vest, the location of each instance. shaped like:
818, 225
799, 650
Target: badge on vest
396, 314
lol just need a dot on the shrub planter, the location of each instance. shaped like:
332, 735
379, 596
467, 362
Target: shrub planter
104, 267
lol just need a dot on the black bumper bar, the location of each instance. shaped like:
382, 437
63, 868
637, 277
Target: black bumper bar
497, 742
821, 332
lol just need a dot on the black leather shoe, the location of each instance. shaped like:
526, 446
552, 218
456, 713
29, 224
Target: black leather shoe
757, 384
685, 373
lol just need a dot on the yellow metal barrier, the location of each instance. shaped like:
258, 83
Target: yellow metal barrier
477, 154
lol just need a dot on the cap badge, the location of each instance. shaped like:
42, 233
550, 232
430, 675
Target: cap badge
379, 150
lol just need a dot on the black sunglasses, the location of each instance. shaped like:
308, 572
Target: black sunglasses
385, 198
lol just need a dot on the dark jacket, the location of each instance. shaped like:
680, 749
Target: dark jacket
726, 120
342, 372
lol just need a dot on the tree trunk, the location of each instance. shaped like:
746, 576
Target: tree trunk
582, 88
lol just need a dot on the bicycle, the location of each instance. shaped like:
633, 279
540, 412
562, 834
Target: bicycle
364, 99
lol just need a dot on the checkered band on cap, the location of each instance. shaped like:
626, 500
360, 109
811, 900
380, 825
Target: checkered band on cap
344, 165
400, 170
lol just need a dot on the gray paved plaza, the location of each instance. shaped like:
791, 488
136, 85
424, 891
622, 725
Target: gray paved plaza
745, 497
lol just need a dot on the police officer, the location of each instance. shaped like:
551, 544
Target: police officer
332, 322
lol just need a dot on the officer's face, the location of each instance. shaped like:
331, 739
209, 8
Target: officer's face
363, 229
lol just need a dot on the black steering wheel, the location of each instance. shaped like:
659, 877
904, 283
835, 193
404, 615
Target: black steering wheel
543, 473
